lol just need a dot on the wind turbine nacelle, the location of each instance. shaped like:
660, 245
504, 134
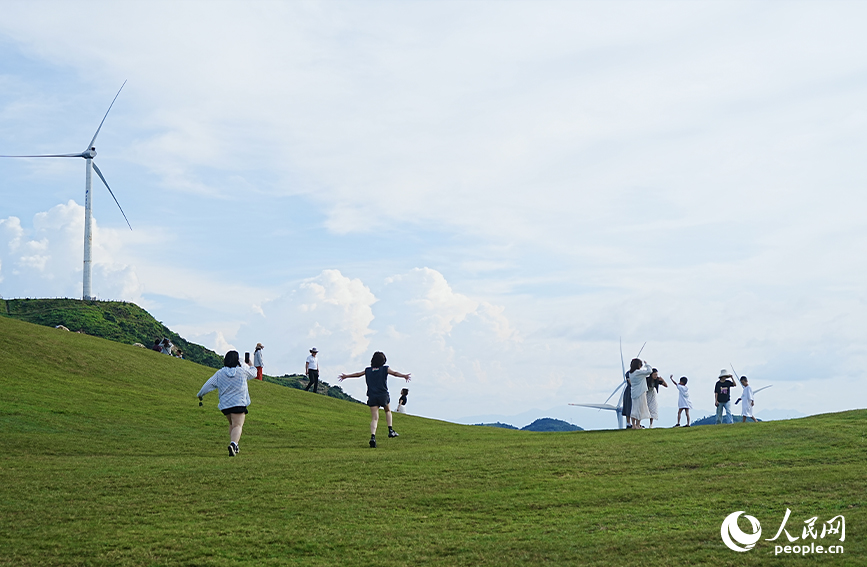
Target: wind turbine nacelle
91, 153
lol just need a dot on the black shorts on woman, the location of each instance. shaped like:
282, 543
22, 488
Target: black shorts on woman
378, 401
235, 409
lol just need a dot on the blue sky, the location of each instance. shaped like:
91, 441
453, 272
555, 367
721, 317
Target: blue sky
491, 193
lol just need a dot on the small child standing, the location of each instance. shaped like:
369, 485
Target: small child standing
749, 402
401, 402
683, 403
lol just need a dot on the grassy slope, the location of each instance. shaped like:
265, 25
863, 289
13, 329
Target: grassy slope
114, 320
108, 460
128, 323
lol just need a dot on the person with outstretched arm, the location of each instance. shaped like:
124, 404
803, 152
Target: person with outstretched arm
376, 376
231, 381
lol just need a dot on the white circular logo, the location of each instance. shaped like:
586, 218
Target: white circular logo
730, 531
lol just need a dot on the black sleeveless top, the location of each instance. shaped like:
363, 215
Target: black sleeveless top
377, 381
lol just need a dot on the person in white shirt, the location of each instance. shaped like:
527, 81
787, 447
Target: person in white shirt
683, 403
311, 369
166, 347
257, 360
749, 401
231, 381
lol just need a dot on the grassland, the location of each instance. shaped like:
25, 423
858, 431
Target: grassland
108, 460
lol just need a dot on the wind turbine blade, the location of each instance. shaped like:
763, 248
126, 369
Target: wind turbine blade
52, 155
760, 389
735, 371
596, 406
98, 172
622, 365
615, 391
642, 348
103, 120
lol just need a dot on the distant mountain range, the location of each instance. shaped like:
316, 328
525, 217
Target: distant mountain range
542, 424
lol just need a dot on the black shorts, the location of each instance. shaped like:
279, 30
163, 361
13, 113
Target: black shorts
235, 409
379, 401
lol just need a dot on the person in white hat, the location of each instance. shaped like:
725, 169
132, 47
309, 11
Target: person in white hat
722, 394
311, 369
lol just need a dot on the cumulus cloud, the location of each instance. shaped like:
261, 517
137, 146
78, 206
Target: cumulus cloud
329, 311
46, 260
449, 340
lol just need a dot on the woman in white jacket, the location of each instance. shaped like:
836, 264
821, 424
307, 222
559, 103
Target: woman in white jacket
231, 381
638, 373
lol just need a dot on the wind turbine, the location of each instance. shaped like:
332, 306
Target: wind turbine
88, 155
618, 409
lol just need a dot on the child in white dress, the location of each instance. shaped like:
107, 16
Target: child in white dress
749, 401
683, 403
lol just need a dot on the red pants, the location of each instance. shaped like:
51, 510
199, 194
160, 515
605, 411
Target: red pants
258, 373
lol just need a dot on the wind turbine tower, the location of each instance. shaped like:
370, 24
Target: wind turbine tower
88, 155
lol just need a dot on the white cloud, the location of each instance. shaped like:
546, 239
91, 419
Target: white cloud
683, 173
47, 260
330, 311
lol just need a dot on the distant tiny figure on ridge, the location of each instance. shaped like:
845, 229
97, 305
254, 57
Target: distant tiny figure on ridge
749, 401
683, 403
257, 360
376, 376
231, 381
311, 369
401, 401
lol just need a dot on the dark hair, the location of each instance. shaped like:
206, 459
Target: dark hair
404, 391
635, 364
744, 378
378, 360
231, 359
684, 380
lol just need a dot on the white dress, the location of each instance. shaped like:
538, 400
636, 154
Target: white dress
747, 401
652, 405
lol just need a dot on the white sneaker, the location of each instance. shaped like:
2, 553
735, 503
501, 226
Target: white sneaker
233, 449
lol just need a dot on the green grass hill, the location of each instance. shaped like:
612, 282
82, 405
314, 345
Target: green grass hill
107, 460
113, 320
129, 324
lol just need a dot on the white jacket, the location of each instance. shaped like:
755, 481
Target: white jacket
232, 384
638, 381
257, 358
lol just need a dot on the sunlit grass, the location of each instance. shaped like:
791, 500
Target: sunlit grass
108, 460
